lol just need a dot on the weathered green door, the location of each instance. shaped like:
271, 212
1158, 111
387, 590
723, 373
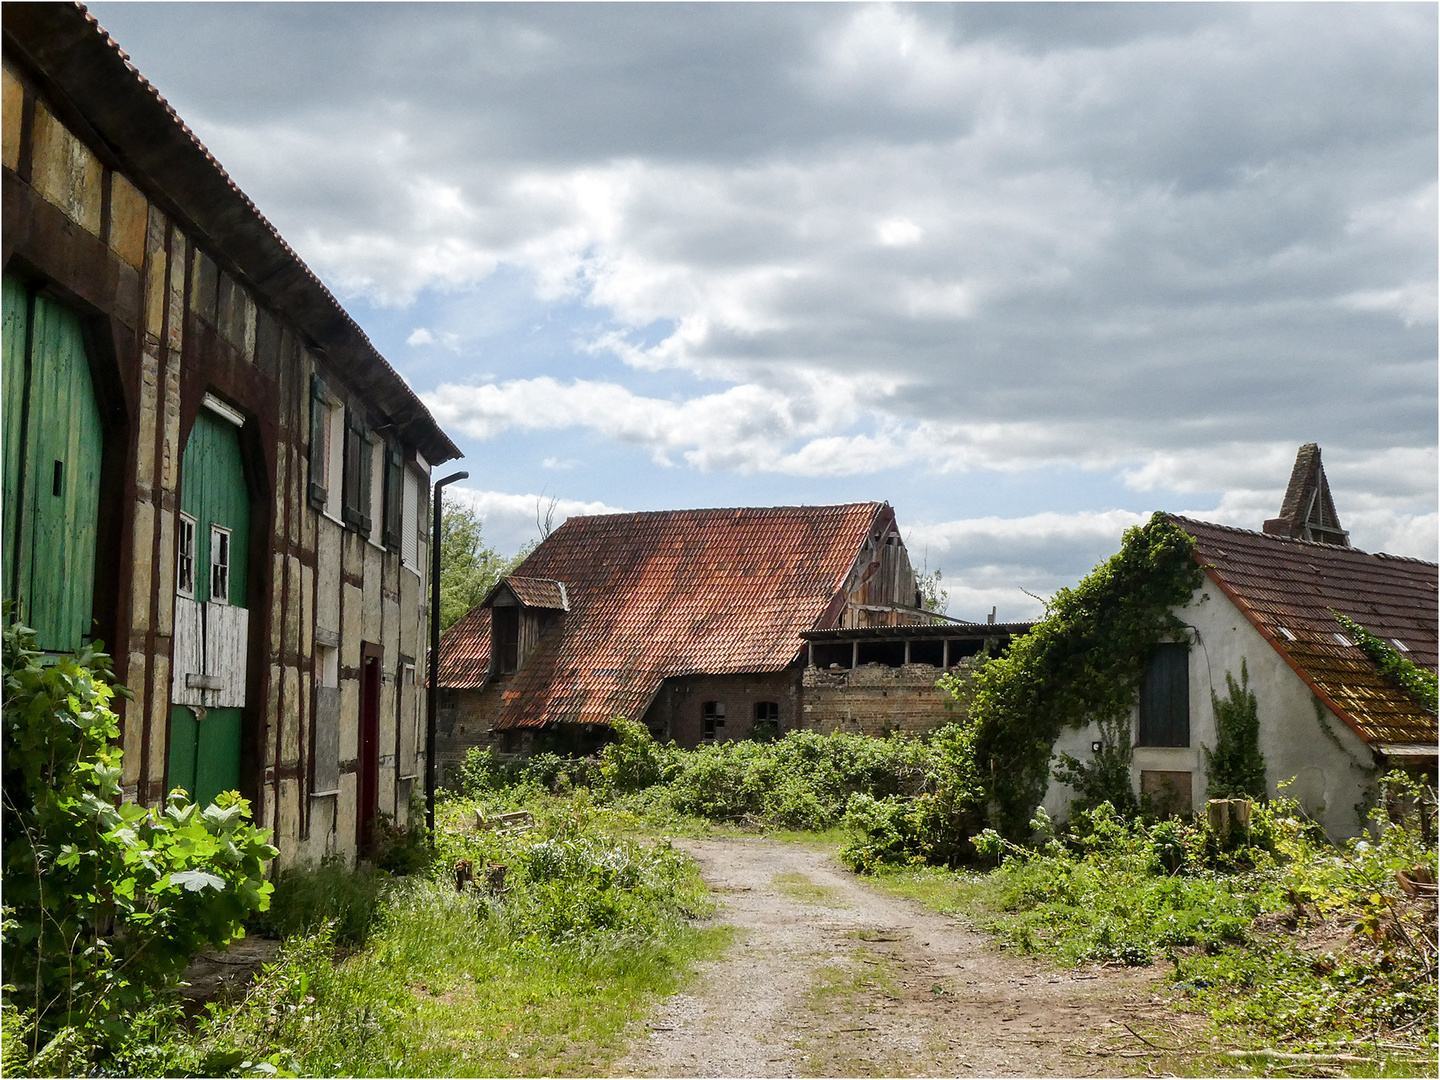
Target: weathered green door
53, 446
211, 620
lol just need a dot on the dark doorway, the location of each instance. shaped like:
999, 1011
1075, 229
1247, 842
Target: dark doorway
369, 778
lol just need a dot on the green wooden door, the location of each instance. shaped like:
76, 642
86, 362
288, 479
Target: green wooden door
205, 742
53, 447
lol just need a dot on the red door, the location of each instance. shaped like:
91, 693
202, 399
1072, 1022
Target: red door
369, 792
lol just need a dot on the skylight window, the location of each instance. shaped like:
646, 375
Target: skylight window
1343, 639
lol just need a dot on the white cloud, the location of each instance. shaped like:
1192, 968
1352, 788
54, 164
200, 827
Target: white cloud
420, 336
509, 520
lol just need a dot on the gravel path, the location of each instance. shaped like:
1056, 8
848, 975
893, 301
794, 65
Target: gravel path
828, 976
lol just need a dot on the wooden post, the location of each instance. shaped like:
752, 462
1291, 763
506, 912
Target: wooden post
854, 654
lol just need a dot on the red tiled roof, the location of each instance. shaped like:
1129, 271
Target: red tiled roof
534, 592
665, 593
1286, 588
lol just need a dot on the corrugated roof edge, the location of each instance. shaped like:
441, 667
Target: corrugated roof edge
436, 445
1254, 619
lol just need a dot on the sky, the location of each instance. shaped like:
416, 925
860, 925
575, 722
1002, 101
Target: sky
1026, 272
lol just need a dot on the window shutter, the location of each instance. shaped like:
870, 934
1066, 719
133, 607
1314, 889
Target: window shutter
319, 415
394, 496
356, 511
411, 522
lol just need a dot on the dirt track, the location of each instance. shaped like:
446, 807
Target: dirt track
831, 977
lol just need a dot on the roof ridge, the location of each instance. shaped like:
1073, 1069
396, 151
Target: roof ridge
1297, 540
873, 504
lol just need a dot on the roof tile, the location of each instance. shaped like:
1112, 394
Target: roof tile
664, 593
1288, 587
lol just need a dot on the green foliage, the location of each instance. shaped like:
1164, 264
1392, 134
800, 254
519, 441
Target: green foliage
1083, 662
1381, 977
1419, 683
469, 568
105, 901
933, 596
1235, 768
635, 761
330, 894
934, 827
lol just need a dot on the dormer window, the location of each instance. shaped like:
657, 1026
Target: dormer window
505, 627
522, 609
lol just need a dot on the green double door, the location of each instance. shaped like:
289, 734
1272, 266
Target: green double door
211, 617
53, 446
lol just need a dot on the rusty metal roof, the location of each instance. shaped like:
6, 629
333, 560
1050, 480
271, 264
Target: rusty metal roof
1287, 588
82, 69
664, 593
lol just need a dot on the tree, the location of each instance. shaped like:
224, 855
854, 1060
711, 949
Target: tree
933, 597
469, 568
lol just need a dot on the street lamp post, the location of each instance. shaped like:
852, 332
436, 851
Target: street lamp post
432, 694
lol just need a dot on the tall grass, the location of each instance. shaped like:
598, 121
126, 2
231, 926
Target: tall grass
540, 977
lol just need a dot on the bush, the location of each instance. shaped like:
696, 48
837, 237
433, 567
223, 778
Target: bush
105, 901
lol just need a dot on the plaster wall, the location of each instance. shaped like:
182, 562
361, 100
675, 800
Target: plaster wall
1329, 768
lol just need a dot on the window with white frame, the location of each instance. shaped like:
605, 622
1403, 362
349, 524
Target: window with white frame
219, 564
185, 557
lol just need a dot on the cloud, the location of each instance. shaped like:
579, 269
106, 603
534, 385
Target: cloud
1169, 242
510, 521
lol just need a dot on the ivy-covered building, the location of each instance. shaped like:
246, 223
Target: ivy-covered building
208, 466
1330, 718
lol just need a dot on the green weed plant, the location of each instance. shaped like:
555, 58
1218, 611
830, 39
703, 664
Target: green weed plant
105, 900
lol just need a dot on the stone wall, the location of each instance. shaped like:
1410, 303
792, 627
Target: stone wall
874, 699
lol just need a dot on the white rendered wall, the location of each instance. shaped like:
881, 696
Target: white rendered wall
1332, 767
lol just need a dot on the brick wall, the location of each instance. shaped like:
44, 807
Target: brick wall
678, 709
877, 700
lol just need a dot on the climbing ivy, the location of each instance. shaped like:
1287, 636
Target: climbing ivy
1082, 662
1418, 683
1235, 767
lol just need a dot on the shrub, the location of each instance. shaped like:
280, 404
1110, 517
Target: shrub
105, 901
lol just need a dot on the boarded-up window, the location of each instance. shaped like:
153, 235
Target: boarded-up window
327, 721
377, 491
1165, 698
409, 727
1168, 793
767, 718
505, 622
712, 716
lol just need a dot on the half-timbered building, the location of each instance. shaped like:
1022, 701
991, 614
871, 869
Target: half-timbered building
208, 466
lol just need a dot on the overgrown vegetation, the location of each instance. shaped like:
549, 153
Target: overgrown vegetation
1281, 937
802, 781
1417, 682
1083, 662
1235, 766
533, 969
105, 900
